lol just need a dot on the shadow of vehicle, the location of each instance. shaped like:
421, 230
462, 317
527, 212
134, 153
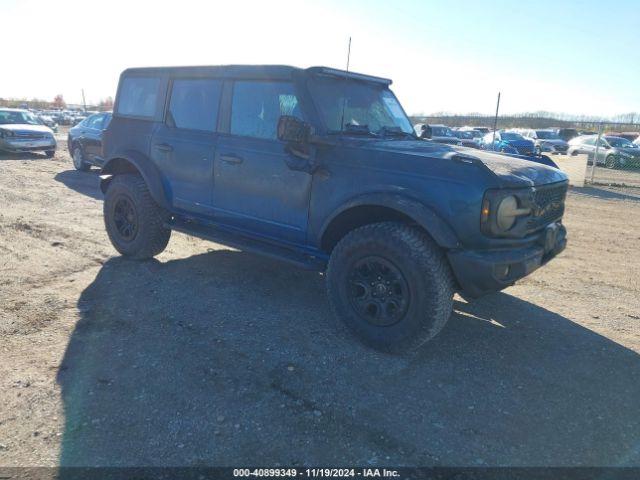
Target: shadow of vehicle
225, 359
86, 183
24, 156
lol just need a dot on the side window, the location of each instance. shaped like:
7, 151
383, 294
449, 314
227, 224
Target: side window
257, 106
194, 104
138, 96
589, 141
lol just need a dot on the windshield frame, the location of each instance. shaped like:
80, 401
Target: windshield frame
324, 127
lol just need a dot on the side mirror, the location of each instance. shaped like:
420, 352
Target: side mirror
293, 130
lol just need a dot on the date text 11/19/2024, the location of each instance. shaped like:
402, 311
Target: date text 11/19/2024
316, 472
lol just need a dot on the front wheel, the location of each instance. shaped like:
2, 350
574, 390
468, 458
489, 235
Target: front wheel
611, 161
391, 285
50, 153
134, 221
78, 160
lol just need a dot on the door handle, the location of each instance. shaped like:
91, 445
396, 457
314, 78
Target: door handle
231, 159
165, 147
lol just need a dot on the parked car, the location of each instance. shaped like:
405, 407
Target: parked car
469, 138
84, 141
77, 118
508, 142
631, 136
545, 141
48, 121
566, 134
21, 131
613, 152
322, 168
437, 133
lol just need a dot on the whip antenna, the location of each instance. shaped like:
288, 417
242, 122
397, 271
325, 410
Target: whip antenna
344, 92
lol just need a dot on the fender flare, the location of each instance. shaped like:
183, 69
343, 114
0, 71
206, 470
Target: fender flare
142, 164
423, 215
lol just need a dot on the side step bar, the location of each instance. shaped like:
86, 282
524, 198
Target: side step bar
309, 260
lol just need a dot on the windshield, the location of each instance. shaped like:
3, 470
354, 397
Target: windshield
547, 135
511, 136
9, 117
365, 105
620, 142
468, 134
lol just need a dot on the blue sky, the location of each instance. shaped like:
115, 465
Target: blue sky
580, 57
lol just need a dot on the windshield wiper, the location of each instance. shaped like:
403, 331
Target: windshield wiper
396, 132
352, 129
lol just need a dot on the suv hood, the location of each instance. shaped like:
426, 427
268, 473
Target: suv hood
25, 127
511, 171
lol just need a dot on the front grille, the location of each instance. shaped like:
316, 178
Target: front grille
23, 135
561, 148
548, 205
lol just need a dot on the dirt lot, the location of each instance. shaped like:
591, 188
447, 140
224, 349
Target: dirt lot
210, 356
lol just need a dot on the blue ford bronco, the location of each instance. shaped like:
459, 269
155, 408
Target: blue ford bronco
322, 168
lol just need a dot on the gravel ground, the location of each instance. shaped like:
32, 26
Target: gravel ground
211, 356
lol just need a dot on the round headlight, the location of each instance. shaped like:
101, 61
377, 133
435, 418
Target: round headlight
507, 213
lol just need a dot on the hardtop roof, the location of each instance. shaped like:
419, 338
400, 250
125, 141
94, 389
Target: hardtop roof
257, 72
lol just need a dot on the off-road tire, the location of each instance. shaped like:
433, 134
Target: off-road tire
50, 153
151, 236
77, 156
421, 263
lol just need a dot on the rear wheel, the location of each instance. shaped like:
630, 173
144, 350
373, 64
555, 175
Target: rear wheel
134, 221
78, 159
50, 153
391, 285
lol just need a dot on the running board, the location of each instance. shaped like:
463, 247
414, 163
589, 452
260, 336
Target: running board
215, 233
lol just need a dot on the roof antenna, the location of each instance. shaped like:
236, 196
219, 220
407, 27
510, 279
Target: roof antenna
344, 92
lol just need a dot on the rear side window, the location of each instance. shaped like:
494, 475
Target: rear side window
257, 106
194, 104
138, 96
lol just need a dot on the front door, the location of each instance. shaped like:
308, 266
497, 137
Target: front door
254, 189
91, 136
184, 146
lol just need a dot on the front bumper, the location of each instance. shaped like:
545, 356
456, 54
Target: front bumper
484, 271
12, 145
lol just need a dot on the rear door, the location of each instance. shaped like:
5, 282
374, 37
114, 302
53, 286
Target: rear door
254, 189
184, 145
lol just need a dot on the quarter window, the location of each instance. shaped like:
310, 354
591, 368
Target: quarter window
257, 106
138, 96
194, 104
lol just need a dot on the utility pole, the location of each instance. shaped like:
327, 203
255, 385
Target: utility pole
595, 154
84, 102
495, 124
